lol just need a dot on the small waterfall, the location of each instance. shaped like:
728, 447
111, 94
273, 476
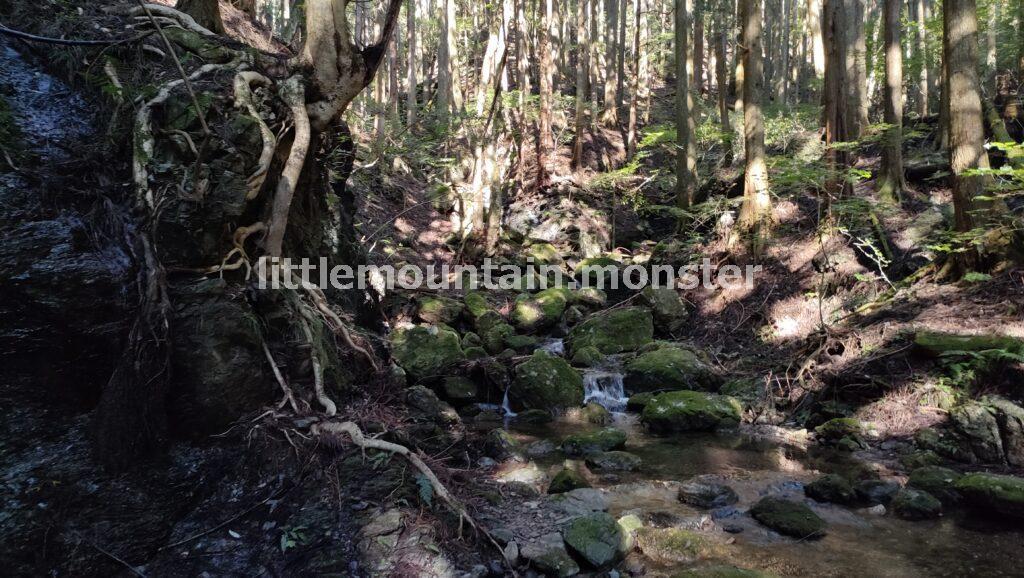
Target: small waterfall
604, 387
505, 407
553, 345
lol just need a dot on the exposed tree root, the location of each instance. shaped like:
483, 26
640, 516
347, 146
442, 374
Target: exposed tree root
333, 320
293, 93
179, 18
243, 99
318, 371
289, 396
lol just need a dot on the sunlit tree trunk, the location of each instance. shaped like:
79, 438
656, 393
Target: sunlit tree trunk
698, 47
610, 116
583, 49
545, 137
410, 81
921, 53
739, 73
685, 154
755, 214
891, 182
620, 68
990, 52
812, 25
857, 82
634, 101
205, 12
783, 90
449, 94
722, 73
836, 43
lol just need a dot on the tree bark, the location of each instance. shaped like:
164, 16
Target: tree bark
205, 12
698, 47
685, 153
755, 214
891, 181
835, 109
722, 74
610, 116
634, 101
620, 74
583, 49
411, 86
545, 137
921, 52
812, 24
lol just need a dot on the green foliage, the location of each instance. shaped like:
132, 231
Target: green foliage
965, 368
425, 489
292, 537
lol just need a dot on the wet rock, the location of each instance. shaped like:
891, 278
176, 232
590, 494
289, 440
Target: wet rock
603, 440
911, 504
426, 351
614, 331
596, 538
680, 411
615, 461
668, 367
566, 480
675, 545
545, 382
668, 309
720, 572
459, 390
876, 491
580, 501
937, 481
541, 448
639, 401
435, 309
996, 493
541, 310
521, 343
704, 492
596, 414
548, 555
788, 518
587, 357
831, 488
534, 416
834, 430
500, 445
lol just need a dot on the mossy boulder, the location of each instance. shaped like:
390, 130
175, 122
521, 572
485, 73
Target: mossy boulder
547, 554
471, 339
676, 545
543, 254
534, 416
459, 390
997, 493
546, 382
703, 492
426, 351
833, 430
937, 481
919, 459
682, 411
603, 440
500, 445
597, 271
591, 296
587, 357
667, 307
876, 491
614, 461
614, 331
566, 480
668, 368
476, 304
788, 518
438, 309
911, 504
541, 310
992, 429
475, 352
521, 343
720, 572
596, 414
831, 488
496, 336
639, 401
943, 443
596, 538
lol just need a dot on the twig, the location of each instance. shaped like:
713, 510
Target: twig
120, 561
70, 42
241, 514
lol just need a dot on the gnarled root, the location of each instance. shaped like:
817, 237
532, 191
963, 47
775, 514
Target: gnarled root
293, 93
318, 372
179, 18
243, 99
333, 320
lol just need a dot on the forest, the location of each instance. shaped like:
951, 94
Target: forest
469, 289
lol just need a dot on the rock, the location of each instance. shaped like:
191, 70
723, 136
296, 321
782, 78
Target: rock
567, 479
628, 526
833, 430
548, 555
668, 309
597, 271
596, 414
534, 416
996, 493
495, 337
437, 309
572, 316
876, 491
426, 351
876, 510
580, 501
936, 343
596, 538
748, 391
541, 448
587, 357
920, 459
992, 429
668, 368
527, 473
591, 296
459, 390
511, 553
937, 481
911, 504
720, 572
500, 445
615, 461
788, 518
476, 304
544, 254
603, 440
614, 331
475, 352
942, 443
471, 339
521, 343
542, 310
675, 545
703, 492
639, 401
546, 382
680, 411
424, 405
831, 488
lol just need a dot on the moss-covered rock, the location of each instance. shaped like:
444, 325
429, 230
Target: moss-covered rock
628, 527
614, 461
876, 491
470, 339
476, 304
541, 310
426, 351
543, 254
438, 309
669, 310
591, 296
831, 488
919, 459
720, 572
534, 416
992, 429
596, 414
597, 271
547, 554
705, 492
996, 493
614, 331
500, 445
545, 382
838, 428
566, 480
475, 352
788, 518
943, 443
676, 545
496, 336
937, 481
521, 343
639, 401
681, 411
459, 390
602, 440
911, 504
587, 357
668, 368
595, 538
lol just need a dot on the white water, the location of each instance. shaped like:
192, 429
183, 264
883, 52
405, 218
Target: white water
604, 387
505, 407
554, 346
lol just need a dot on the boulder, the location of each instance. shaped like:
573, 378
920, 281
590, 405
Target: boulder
992, 429
920, 459
541, 310
587, 357
997, 493
580, 502
596, 414
471, 339
534, 416
597, 271
591, 296
459, 390
426, 351
704, 492
476, 304
831, 488
937, 481
911, 504
639, 401
876, 491
603, 440
437, 309
676, 545
566, 480
834, 430
548, 555
543, 254
546, 382
681, 411
495, 337
668, 368
614, 461
596, 538
614, 331
788, 518
500, 445
668, 309
628, 526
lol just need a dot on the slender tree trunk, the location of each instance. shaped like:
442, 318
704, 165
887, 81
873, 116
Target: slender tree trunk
990, 53
620, 74
891, 182
205, 12
610, 116
783, 92
410, 81
643, 89
835, 37
634, 101
857, 57
921, 52
685, 154
545, 137
755, 214
698, 47
722, 73
1020, 42
741, 17
449, 94
812, 24
583, 48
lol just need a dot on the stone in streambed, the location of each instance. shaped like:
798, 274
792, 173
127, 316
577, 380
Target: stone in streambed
937, 481
681, 411
587, 357
788, 518
548, 555
667, 368
545, 382
639, 401
566, 480
500, 445
438, 309
911, 504
426, 351
831, 488
704, 492
876, 491
596, 414
603, 440
459, 390
668, 308
614, 331
541, 310
996, 493
676, 545
596, 538
614, 461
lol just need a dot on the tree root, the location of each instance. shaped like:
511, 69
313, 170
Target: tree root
243, 99
293, 93
318, 372
180, 18
289, 396
333, 320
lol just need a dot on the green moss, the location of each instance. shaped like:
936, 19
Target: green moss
838, 428
639, 401
720, 572
920, 459
459, 390
542, 310
912, 504
426, 351
788, 518
475, 352
669, 310
567, 479
545, 382
938, 343
495, 338
438, 309
476, 304
678, 411
831, 488
591, 296
675, 545
997, 493
544, 254
587, 357
614, 331
596, 414
596, 538
668, 368
937, 481
602, 440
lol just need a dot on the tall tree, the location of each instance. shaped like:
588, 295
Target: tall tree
891, 182
639, 62
755, 214
686, 158
722, 77
921, 55
698, 46
410, 80
620, 68
812, 25
206, 13
583, 50
545, 137
610, 116
835, 39
449, 94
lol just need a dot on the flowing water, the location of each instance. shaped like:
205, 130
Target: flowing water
603, 385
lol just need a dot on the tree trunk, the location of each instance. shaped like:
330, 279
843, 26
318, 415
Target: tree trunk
545, 137
891, 182
698, 47
812, 24
583, 49
634, 101
610, 116
205, 12
857, 62
410, 81
685, 154
449, 94
722, 74
755, 214
921, 53
620, 74
835, 109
